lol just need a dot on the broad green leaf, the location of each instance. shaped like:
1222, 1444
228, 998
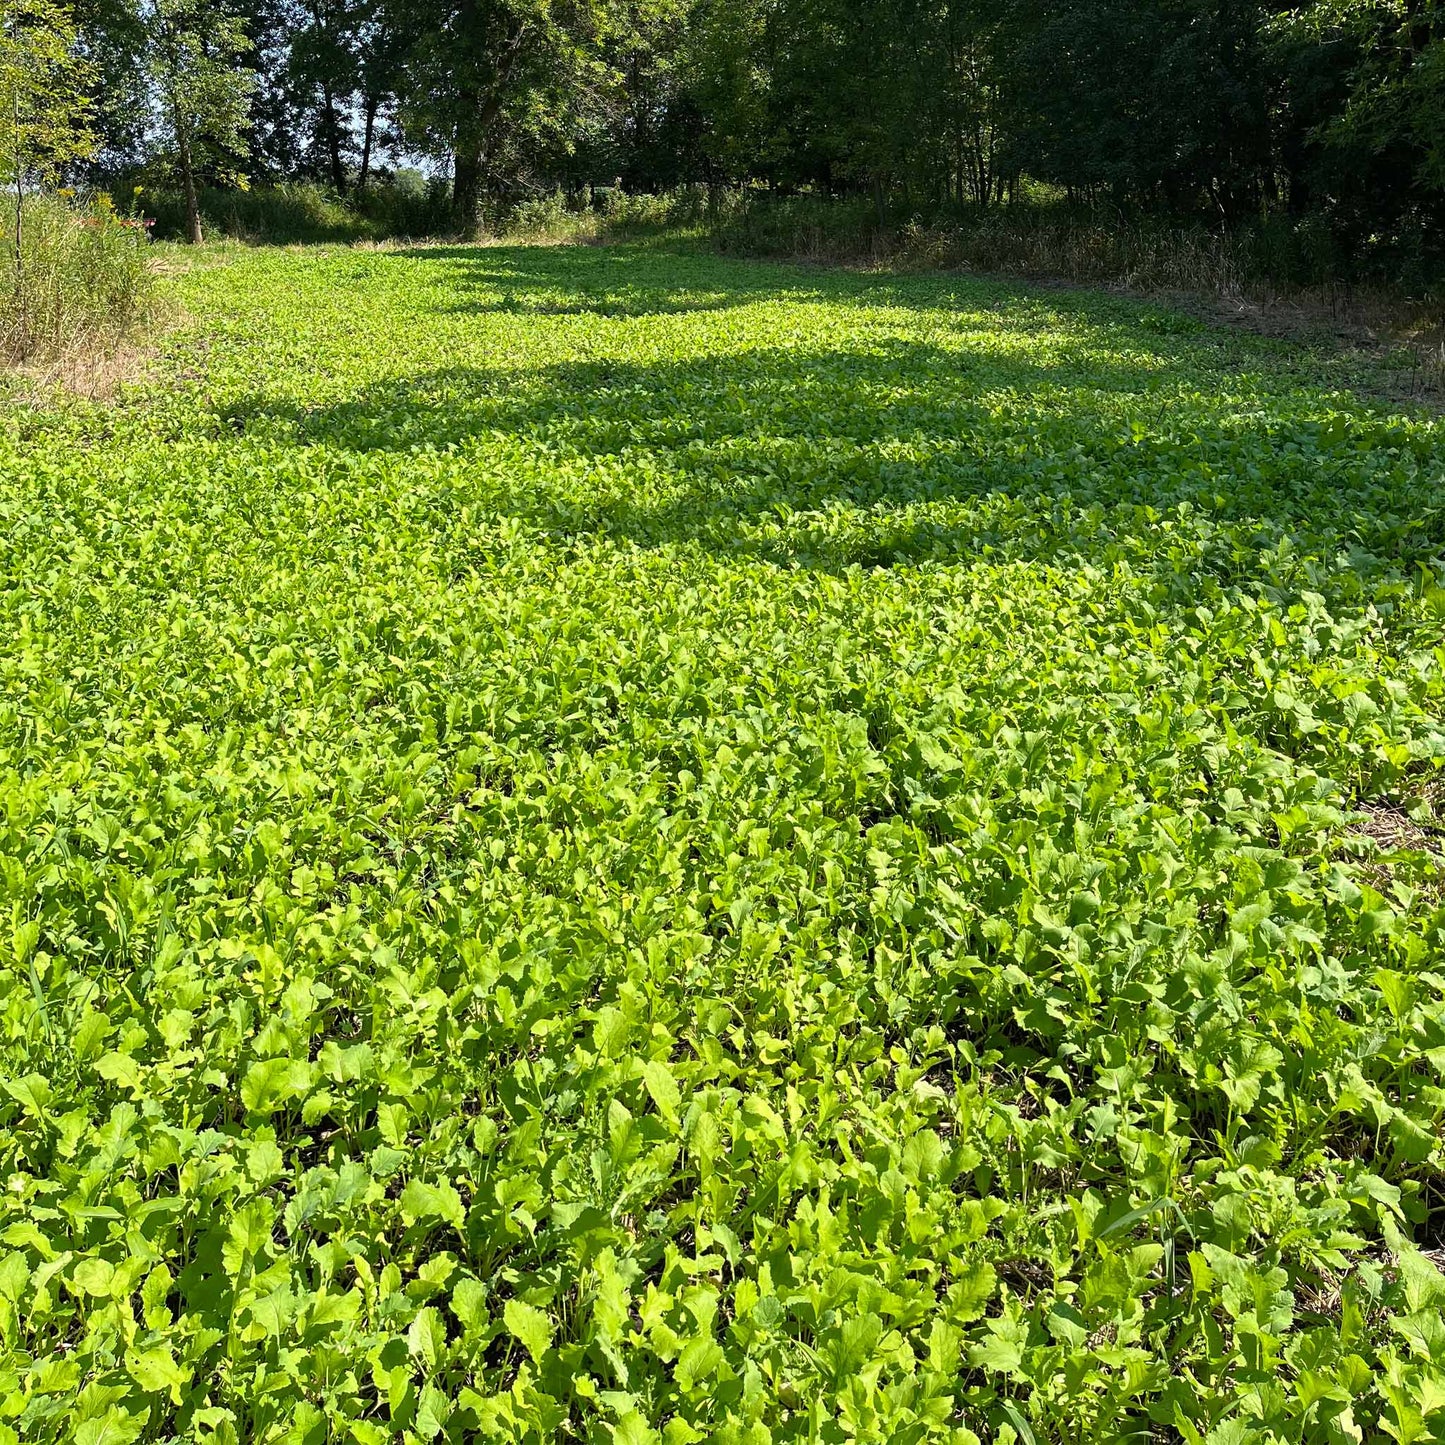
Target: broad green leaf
469, 1304
115, 1427
420, 1200
93, 1276
529, 1326
270, 1084
156, 1369
432, 1412
662, 1087
427, 1337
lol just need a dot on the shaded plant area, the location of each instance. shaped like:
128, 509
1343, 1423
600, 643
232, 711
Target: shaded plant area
618, 844
1084, 244
307, 214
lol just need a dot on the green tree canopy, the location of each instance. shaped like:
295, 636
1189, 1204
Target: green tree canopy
194, 55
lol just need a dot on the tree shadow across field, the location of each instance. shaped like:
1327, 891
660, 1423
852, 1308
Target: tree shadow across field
510, 286
612, 281
665, 278
898, 454
885, 389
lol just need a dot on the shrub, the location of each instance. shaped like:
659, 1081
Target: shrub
807, 227
612, 215
545, 216
1046, 238
682, 209
404, 208
82, 280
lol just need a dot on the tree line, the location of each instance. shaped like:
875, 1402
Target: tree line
1332, 110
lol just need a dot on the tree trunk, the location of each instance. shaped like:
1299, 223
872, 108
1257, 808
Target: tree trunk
477, 115
467, 173
471, 156
366, 136
188, 177
333, 140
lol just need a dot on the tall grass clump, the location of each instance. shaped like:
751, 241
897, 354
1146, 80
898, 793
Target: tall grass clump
805, 227
303, 213
80, 280
602, 213
403, 208
288, 214
1094, 247
1056, 242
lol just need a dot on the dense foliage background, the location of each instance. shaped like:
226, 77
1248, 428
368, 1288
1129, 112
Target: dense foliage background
1325, 117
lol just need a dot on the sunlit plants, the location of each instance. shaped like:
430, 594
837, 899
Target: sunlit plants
605, 844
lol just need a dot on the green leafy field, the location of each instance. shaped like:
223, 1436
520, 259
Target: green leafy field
612, 845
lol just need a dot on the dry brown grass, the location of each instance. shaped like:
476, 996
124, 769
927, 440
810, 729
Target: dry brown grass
88, 375
1393, 829
1385, 834
1400, 342
95, 369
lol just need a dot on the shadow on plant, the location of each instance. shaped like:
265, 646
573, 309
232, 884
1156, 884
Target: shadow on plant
891, 449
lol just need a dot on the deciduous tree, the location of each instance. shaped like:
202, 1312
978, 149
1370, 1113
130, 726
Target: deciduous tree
195, 54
